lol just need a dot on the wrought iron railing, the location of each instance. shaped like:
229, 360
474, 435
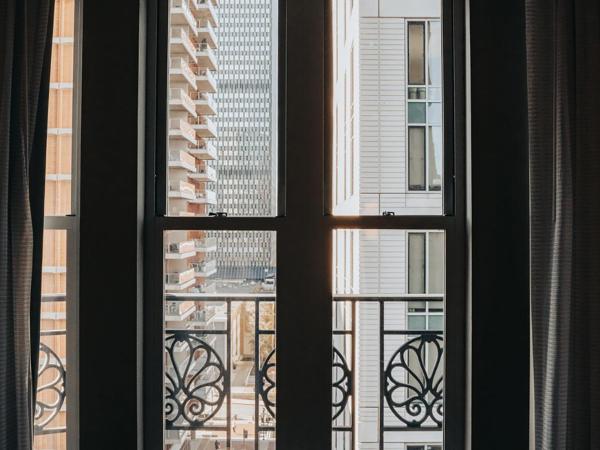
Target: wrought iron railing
51, 388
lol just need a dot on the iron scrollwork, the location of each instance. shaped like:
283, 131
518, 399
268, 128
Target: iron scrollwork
51, 391
413, 384
267, 382
195, 381
342, 383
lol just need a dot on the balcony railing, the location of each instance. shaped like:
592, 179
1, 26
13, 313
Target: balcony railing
205, 10
51, 389
182, 7
206, 57
206, 82
204, 174
180, 128
181, 42
207, 33
410, 371
205, 197
180, 68
179, 98
204, 127
203, 150
182, 160
204, 103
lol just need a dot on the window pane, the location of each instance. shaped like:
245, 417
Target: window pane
434, 53
379, 163
434, 155
436, 263
416, 113
416, 263
416, 158
220, 349
50, 423
59, 143
416, 53
377, 319
222, 108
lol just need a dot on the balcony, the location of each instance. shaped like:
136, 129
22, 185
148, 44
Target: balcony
181, 129
205, 269
203, 151
177, 311
181, 43
204, 127
181, 250
206, 197
205, 245
181, 14
206, 33
179, 100
182, 190
205, 174
206, 57
204, 104
205, 81
178, 281
205, 11
180, 71
178, 159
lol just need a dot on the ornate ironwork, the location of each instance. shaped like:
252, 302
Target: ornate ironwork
341, 384
267, 382
413, 384
195, 381
51, 392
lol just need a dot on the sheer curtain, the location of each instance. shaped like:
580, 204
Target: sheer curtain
563, 59
25, 46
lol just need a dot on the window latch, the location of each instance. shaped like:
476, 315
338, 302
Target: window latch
217, 214
388, 213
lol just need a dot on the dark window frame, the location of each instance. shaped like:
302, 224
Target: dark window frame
304, 229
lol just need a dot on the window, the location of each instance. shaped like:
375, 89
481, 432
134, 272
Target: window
424, 107
321, 240
54, 426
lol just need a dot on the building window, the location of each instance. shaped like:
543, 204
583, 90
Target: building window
424, 106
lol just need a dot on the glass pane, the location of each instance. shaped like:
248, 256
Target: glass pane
416, 263
59, 143
416, 53
220, 348
376, 319
392, 84
436, 263
50, 420
434, 158
222, 108
416, 158
416, 113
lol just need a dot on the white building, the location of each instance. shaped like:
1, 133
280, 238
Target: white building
387, 159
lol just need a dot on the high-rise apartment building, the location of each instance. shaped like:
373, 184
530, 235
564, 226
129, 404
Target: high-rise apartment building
247, 122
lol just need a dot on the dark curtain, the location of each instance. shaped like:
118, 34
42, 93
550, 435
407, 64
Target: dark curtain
25, 47
563, 58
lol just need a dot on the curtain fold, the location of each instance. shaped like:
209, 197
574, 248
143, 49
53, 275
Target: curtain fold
25, 48
563, 76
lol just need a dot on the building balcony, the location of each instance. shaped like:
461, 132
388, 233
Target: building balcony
178, 311
205, 174
177, 281
204, 151
182, 129
182, 44
179, 159
205, 81
206, 57
205, 11
205, 245
204, 127
205, 269
180, 71
204, 104
206, 33
182, 190
181, 14
206, 197
179, 100
181, 250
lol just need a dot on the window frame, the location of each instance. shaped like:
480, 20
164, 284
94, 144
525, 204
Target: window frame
304, 229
